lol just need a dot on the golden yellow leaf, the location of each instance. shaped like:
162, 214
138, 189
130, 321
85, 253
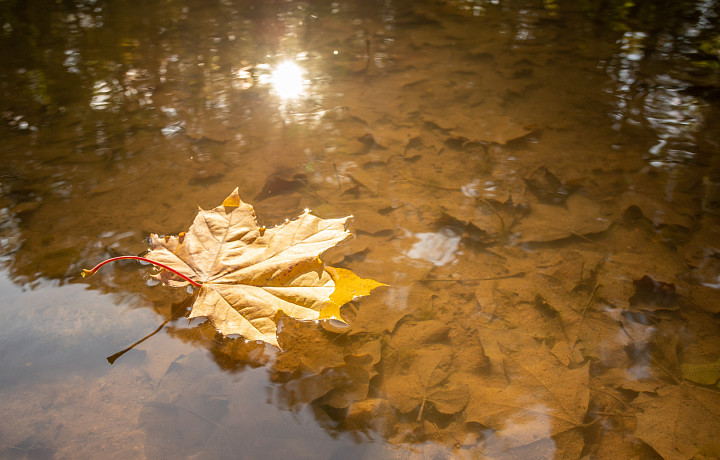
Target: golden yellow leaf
248, 274
348, 286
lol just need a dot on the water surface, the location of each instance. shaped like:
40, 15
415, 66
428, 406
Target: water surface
537, 181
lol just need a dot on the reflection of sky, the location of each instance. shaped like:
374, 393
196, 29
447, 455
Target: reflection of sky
675, 118
658, 102
439, 248
522, 428
707, 17
10, 234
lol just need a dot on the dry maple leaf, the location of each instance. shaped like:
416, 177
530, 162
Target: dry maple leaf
248, 274
669, 421
426, 380
543, 397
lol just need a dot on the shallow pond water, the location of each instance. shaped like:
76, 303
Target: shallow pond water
537, 182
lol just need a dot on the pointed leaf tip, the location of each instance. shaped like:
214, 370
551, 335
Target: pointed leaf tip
233, 200
348, 286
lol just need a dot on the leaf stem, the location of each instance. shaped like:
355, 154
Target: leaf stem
86, 273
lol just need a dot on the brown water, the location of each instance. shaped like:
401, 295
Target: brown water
537, 181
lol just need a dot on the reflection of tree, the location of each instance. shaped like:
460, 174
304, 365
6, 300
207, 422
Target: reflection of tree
671, 104
101, 94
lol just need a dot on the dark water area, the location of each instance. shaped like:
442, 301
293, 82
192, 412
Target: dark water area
538, 182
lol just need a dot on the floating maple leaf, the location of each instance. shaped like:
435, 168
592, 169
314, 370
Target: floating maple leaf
248, 274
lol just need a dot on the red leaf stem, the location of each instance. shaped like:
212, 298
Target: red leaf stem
92, 271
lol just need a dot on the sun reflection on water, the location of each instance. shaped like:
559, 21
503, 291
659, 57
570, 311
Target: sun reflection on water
287, 80
298, 102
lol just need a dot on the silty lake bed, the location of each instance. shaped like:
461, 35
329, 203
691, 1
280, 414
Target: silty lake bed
537, 182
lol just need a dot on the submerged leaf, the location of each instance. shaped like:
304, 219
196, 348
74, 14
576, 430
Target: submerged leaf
543, 398
669, 421
653, 295
427, 381
547, 187
704, 374
550, 223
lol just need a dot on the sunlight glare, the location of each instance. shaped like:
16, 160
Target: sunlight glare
287, 80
